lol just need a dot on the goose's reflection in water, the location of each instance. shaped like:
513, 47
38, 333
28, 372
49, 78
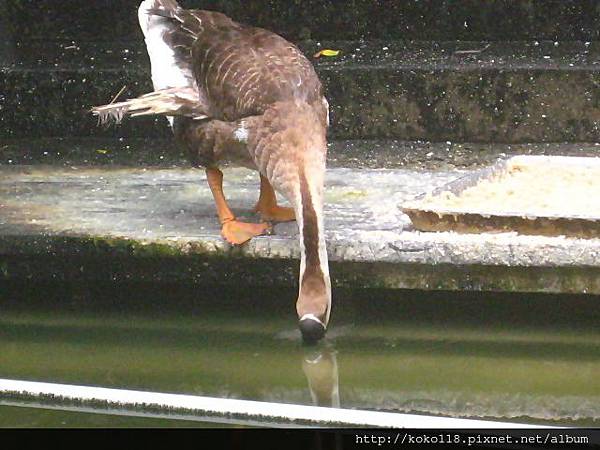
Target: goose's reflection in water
319, 365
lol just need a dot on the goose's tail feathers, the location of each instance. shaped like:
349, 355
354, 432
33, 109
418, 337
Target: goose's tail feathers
166, 102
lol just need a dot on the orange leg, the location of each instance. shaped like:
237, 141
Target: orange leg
234, 231
267, 205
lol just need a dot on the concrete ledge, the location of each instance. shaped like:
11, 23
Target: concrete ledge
229, 410
158, 225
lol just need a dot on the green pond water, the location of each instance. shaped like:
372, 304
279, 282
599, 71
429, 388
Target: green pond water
526, 358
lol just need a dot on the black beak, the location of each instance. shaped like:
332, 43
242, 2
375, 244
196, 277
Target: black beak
312, 329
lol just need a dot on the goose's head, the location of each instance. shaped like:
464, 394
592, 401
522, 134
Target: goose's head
314, 304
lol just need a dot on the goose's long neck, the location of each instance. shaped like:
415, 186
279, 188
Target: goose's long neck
288, 145
314, 299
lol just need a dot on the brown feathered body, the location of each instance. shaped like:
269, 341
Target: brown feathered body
243, 94
242, 72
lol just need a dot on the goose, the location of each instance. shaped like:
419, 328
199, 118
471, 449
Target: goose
244, 95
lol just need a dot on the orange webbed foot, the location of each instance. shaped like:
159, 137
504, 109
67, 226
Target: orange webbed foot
276, 214
237, 233
267, 205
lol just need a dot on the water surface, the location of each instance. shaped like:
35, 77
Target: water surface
527, 358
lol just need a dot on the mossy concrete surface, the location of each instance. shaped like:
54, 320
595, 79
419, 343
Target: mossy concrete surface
86, 223
353, 154
511, 92
321, 19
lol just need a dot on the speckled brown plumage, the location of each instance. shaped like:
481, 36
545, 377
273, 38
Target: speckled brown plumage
240, 70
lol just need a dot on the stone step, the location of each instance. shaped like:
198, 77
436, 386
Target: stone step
352, 154
508, 92
141, 224
316, 19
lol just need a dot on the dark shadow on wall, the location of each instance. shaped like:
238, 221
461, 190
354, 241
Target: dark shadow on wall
7, 42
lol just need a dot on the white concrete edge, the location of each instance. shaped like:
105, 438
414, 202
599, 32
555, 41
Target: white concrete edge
165, 415
247, 409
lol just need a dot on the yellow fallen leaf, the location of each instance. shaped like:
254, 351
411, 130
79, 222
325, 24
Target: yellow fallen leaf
102, 151
326, 52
